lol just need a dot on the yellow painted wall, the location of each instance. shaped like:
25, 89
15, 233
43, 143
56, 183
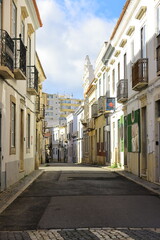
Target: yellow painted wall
100, 122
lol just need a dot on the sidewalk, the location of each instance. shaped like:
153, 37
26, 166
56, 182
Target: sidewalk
10, 194
149, 185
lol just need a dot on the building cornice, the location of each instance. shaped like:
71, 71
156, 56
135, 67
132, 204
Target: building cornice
120, 18
34, 13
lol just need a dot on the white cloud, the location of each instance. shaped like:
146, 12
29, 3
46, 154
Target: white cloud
70, 32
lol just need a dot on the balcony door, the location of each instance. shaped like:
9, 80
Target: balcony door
143, 42
14, 20
125, 65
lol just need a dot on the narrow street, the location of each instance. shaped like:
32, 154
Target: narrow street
81, 202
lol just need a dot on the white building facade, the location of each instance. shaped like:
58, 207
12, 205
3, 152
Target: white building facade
18, 87
132, 65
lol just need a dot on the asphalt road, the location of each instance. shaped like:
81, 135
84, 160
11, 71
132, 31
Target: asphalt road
82, 197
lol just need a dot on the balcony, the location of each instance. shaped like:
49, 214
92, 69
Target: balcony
6, 55
158, 55
32, 84
37, 105
122, 91
140, 74
19, 59
84, 121
75, 134
42, 112
101, 104
94, 110
91, 124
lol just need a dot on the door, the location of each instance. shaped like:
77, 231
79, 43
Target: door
119, 141
91, 147
125, 141
21, 166
0, 145
108, 147
159, 152
144, 141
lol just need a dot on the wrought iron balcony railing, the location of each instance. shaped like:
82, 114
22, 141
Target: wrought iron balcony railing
140, 74
86, 108
6, 55
32, 78
94, 110
122, 91
84, 121
91, 124
19, 59
37, 104
101, 104
42, 112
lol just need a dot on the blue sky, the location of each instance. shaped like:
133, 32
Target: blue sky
71, 30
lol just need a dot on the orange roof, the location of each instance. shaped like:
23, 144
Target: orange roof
37, 12
47, 134
120, 18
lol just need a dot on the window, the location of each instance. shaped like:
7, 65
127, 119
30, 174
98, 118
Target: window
113, 81
108, 87
99, 138
0, 14
23, 31
125, 66
132, 51
143, 42
29, 51
118, 71
104, 83
158, 108
13, 125
104, 138
50, 102
158, 20
99, 87
14, 20
50, 96
114, 134
28, 131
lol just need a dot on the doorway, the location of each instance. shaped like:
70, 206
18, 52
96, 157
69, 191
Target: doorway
144, 141
21, 166
0, 144
125, 141
108, 146
119, 141
158, 152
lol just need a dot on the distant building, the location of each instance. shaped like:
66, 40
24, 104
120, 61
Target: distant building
59, 107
